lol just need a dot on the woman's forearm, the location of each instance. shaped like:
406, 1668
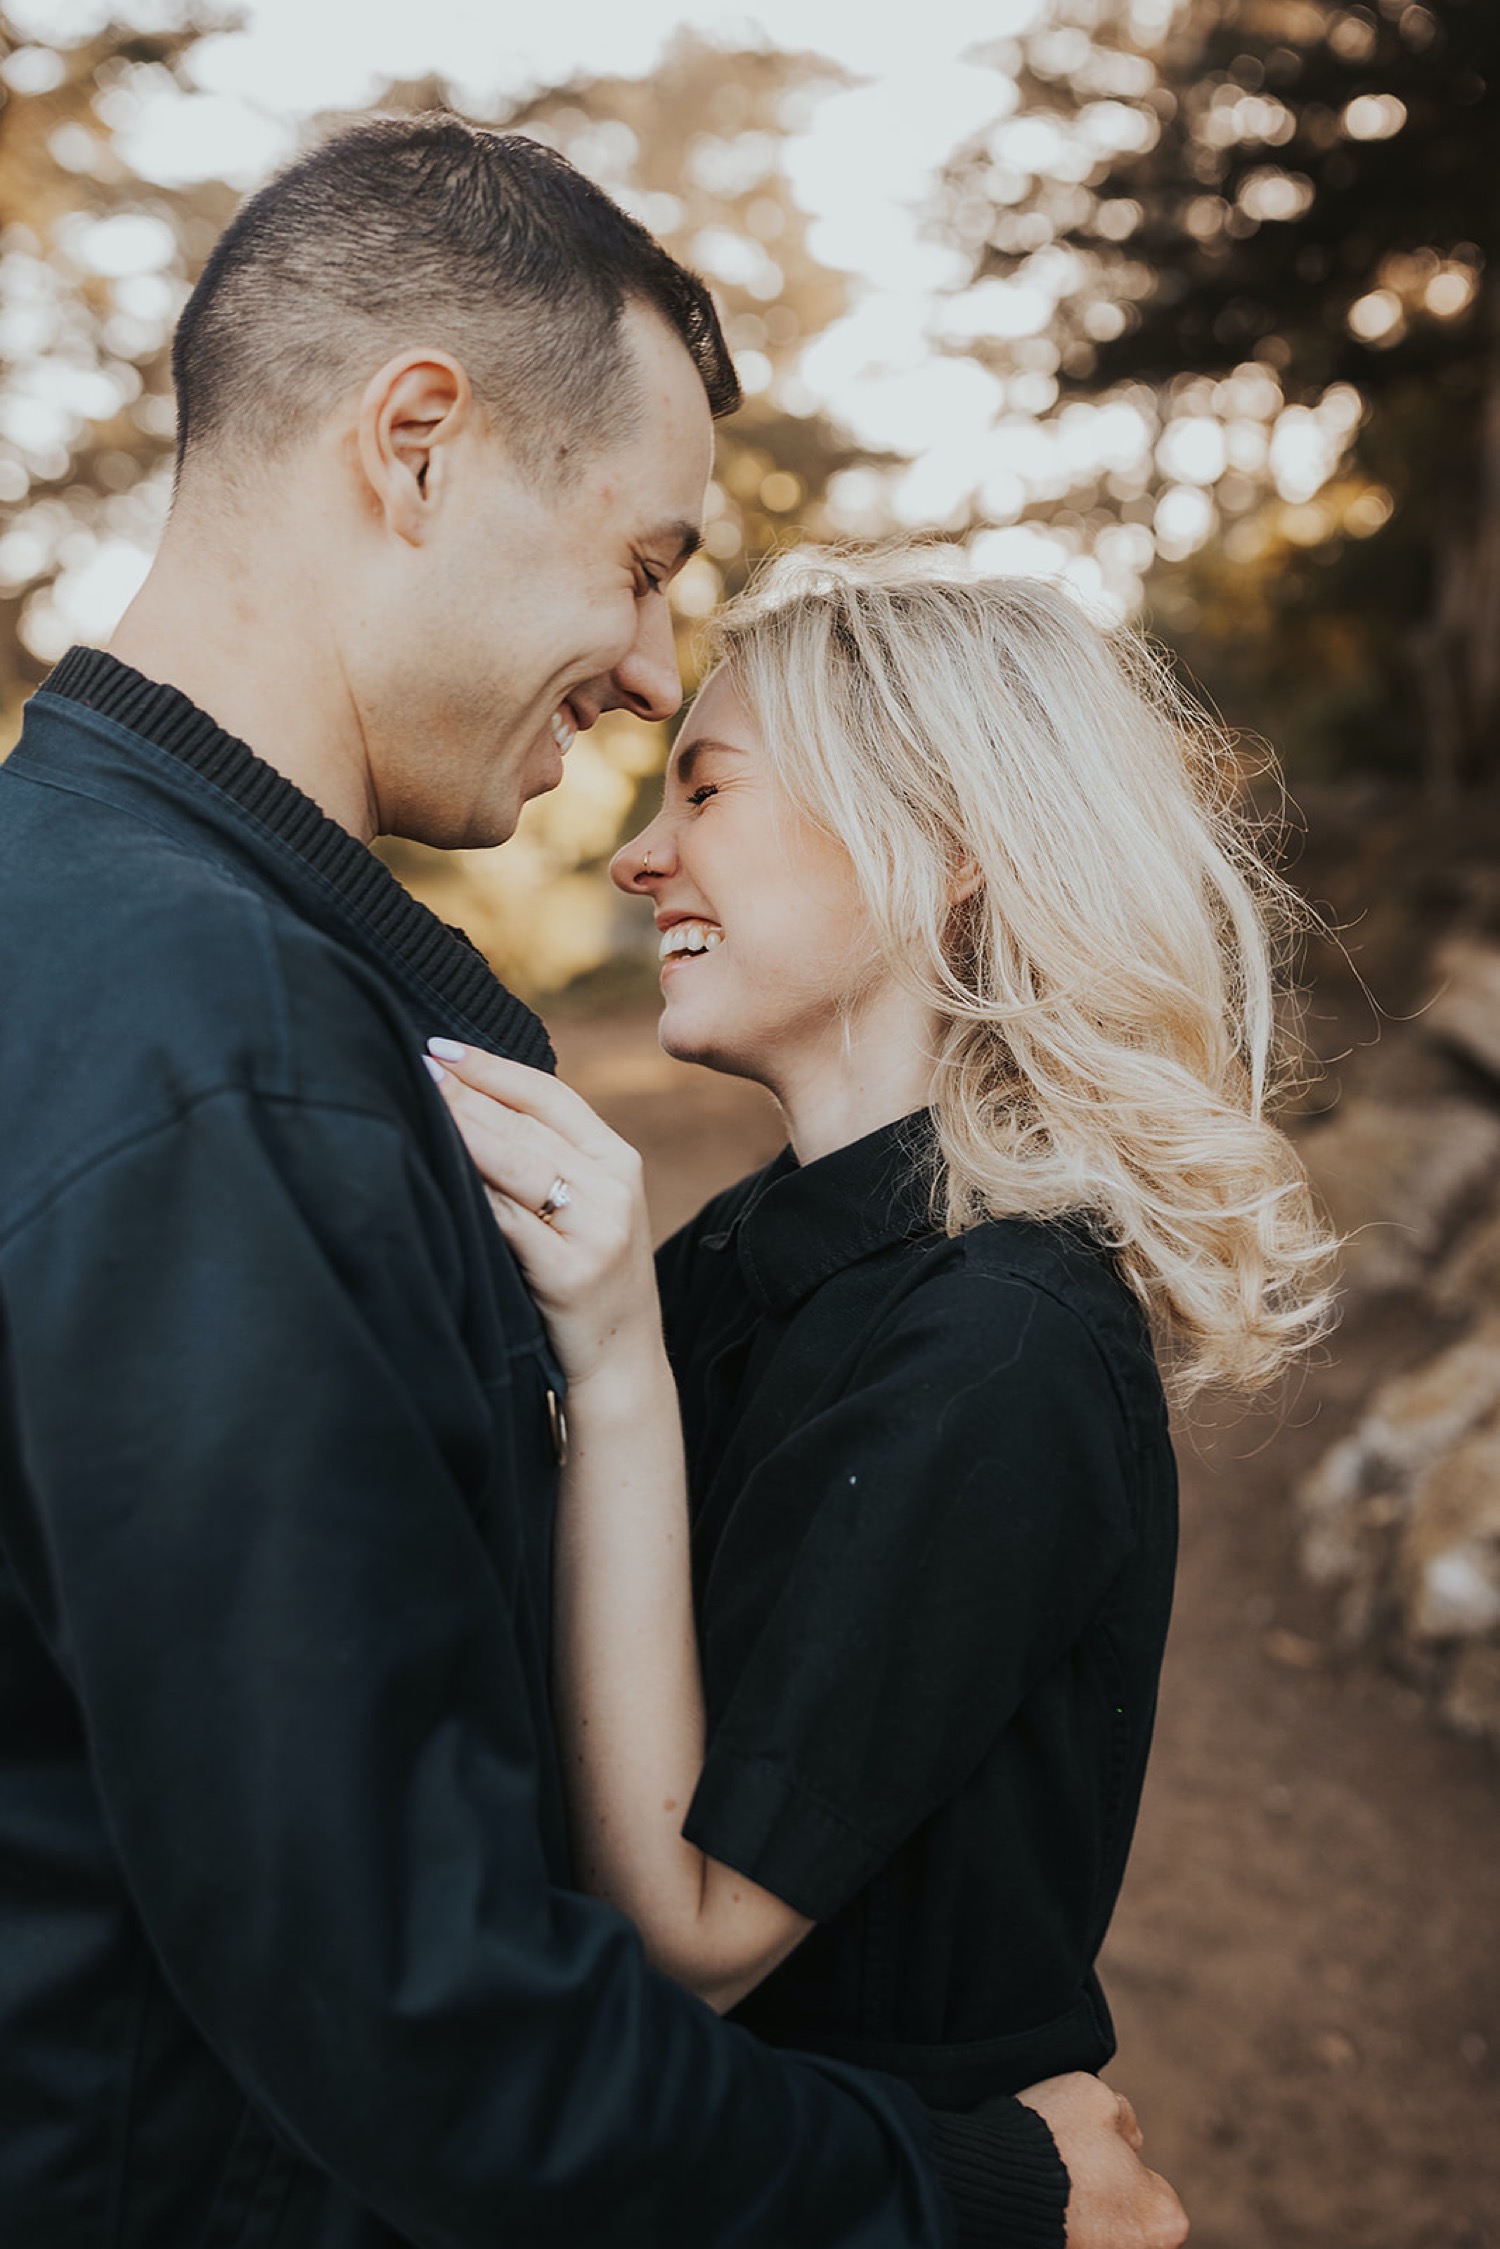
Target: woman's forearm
629, 1691
630, 1702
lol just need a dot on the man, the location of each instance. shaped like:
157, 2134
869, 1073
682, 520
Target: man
287, 1953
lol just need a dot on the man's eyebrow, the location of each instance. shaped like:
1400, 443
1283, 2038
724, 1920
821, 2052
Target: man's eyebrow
688, 758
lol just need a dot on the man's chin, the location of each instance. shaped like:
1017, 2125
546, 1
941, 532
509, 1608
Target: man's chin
450, 832
549, 778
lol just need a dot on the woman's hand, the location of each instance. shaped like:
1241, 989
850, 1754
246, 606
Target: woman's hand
629, 1694
588, 1261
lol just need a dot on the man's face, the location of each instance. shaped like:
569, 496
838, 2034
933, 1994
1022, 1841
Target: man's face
530, 610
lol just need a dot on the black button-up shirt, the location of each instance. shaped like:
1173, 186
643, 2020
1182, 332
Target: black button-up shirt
934, 1513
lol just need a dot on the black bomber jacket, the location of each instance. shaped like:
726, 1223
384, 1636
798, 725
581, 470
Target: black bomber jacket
287, 1955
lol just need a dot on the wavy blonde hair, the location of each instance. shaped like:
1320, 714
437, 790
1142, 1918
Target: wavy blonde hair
1107, 989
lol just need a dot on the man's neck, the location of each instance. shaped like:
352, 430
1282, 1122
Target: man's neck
225, 630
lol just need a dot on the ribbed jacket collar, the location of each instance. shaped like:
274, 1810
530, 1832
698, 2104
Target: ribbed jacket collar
442, 957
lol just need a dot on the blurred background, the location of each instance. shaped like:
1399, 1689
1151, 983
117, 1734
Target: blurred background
1194, 303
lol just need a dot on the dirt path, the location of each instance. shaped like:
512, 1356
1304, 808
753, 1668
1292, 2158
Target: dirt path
1305, 1967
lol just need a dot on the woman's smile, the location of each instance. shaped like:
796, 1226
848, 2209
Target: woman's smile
729, 840
688, 940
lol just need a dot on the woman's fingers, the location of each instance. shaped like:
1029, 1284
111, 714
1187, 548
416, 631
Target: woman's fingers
567, 1196
532, 1238
534, 1093
515, 1154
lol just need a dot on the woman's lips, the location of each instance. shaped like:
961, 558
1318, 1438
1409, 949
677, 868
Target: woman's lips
689, 940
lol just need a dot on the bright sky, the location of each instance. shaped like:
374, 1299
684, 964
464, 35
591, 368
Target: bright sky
868, 155
866, 160
861, 169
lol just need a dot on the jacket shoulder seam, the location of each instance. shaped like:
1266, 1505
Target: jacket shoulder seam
141, 1135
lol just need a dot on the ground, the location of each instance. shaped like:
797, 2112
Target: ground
1305, 1965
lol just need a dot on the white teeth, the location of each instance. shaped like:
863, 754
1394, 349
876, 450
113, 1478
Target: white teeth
564, 731
689, 937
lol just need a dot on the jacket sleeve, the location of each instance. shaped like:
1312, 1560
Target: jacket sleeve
253, 1549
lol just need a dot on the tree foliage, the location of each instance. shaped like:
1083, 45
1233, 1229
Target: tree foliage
1306, 193
94, 263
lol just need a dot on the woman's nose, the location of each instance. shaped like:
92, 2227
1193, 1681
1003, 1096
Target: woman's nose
639, 863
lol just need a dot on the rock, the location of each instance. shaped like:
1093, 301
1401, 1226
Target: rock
1396, 1179
1401, 1518
1368, 1477
1466, 1012
1403, 1514
1451, 1553
1458, 1594
1417, 1416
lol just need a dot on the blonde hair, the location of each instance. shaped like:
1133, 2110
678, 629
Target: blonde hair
1106, 985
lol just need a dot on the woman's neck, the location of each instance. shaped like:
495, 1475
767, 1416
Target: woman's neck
869, 1072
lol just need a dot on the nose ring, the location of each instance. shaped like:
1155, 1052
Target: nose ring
646, 866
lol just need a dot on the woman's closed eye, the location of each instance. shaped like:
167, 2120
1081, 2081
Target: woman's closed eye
703, 792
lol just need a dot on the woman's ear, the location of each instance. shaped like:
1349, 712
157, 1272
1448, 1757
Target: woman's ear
965, 879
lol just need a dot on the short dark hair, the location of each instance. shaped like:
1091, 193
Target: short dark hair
426, 229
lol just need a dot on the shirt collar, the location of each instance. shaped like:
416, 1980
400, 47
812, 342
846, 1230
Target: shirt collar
806, 1222
445, 958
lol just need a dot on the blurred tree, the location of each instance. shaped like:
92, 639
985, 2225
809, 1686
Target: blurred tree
1282, 230
94, 263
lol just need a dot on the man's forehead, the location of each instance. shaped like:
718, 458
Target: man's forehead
673, 441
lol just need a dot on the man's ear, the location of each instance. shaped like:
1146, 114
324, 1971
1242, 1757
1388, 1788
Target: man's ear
410, 413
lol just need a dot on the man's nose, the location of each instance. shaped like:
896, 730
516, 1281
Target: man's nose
646, 678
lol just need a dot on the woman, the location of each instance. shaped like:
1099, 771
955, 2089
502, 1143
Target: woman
959, 881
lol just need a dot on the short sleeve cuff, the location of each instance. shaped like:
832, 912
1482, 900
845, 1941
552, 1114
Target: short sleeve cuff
755, 1816
1003, 2177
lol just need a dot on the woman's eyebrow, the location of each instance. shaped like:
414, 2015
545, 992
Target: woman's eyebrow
688, 758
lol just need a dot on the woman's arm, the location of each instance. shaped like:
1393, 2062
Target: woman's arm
628, 1689
629, 1694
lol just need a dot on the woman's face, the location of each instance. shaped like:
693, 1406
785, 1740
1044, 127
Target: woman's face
767, 947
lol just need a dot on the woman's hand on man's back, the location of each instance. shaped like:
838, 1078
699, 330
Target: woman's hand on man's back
1114, 2202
